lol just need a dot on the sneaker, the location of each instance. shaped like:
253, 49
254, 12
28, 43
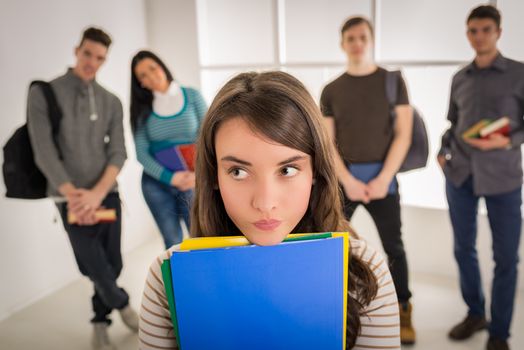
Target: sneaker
497, 344
407, 332
468, 327
100, 339
130, 318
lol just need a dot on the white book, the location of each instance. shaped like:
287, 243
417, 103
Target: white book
492, 127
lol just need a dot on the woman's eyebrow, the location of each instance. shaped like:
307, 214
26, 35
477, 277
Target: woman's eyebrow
246, 163
291, 160
236, 160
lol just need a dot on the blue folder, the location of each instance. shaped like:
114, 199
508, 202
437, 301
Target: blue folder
287, 296
366, 172
171, 158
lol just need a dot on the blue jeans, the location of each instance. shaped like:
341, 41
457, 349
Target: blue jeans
505, 221
168, 205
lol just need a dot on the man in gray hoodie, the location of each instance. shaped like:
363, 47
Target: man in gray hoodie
81, 169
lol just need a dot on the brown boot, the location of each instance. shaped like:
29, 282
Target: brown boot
407, 332
468, 327
497, 344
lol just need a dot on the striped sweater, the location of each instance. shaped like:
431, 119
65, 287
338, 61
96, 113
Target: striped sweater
161, 131
380, 319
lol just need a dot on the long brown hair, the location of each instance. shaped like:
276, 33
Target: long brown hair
278, 106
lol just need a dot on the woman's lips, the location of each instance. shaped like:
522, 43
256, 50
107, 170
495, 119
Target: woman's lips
267, 225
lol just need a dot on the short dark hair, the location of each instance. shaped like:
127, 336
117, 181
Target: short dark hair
96, 34
485, 11
354, 21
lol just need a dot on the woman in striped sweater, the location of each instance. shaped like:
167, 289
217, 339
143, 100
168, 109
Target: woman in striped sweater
265, 169
164, 114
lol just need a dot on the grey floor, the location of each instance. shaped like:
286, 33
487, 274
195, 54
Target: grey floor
60, 321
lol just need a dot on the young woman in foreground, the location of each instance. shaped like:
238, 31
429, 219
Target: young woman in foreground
265, 170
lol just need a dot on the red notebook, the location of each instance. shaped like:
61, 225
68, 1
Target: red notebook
188, 153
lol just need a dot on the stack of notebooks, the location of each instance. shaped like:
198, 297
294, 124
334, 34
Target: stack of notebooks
487, 127
225, 293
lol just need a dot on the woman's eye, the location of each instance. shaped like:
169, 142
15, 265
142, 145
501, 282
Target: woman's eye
238, 174
289, 171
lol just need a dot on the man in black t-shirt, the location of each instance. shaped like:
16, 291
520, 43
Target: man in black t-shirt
371, 149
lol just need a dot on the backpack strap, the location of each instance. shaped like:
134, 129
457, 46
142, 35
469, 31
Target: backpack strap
54, 113
392, 79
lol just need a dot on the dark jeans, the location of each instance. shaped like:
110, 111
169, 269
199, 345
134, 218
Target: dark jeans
386, 215
168, 205
505, 221
97, 253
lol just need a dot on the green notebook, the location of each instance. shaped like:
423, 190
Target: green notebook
168, 284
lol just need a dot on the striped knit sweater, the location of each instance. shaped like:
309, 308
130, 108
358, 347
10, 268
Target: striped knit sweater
162, 131
380, 319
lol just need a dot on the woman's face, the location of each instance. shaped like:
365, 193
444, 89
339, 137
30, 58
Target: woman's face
151, 75
265, 186
357, 43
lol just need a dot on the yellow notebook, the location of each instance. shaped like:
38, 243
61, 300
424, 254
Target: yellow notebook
474, 131
102, 215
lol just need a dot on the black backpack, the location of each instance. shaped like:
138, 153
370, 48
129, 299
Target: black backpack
22, 177
418, 153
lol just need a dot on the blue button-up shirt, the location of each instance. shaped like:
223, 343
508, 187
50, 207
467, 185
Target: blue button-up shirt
487, 93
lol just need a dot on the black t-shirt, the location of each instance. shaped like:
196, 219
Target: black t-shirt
364, 127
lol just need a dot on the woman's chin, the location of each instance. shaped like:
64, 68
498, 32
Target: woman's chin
266, 239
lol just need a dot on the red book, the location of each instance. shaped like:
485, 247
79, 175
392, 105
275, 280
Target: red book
499, 126
188, 152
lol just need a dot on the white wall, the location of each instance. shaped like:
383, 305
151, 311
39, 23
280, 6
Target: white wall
512, 29
172, 35
244, 35
307, 22
423, 30
37, 39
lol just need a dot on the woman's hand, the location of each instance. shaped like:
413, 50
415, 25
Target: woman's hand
183, 180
